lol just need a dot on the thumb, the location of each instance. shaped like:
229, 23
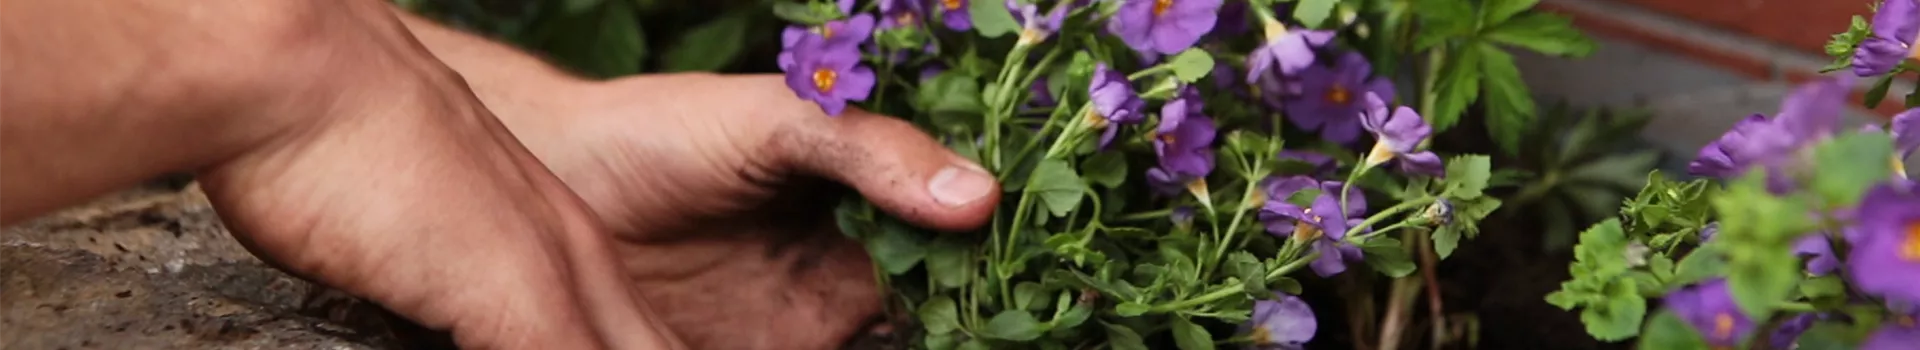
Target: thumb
896, 166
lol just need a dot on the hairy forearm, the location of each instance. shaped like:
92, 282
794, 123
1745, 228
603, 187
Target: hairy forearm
103, 94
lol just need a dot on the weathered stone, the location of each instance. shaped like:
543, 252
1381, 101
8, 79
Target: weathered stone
154, 269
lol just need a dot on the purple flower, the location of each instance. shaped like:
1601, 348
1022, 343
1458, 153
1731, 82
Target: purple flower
1291, 50
1321, 164
1898, 332
1894, 28
1819, 253
1042, 97
1181, 216
954, 14
1810, 113
901, 13
1332, 98
932, 70
842, 35
1885, 260
1399, 135
1709, 308
1906, 131
828, 77
1285, 323
1046, 25
1184, 142
1163, 26
1707, 233
1785, 336
1114, 102
1324, 222
1233, 20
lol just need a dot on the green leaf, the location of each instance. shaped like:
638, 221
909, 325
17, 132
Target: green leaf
939, 315
1467, 176
1497, 11
941, 341
1130, 309
897, 248
1544, 33
1459, 86
1445, 239
1057, 185
800, 13
605, 42
1028, 296
1823, 287
708, 47
1075, 315
975, 344
1667, 332
1878, 92
1286, 285
1123, 338
1761, 285
1106, 168
953, 99
1015, 325
1850, 164
1386, 255
578, 6
1312, 12
1510, 108
1190, 336
991, 18
1832, 335
947, 261
1619, 317
1191, 65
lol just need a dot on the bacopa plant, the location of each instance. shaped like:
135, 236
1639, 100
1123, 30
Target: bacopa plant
1171, 165
1799, 233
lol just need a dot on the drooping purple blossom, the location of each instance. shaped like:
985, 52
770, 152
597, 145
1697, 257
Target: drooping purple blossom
829, 78
1809, 114
901, 13
1885, 260
1709, 308
1163, 26
842, 35
1290, 50
1905, 130
1184, 144
1285, 323
1114, 102
1788, 333
1819, 254
954, 14
1324, 222
1894, 27
1332, 97
1898, 332
1042, 96
1047, 24
1399, 134
1232, 20
1707, 233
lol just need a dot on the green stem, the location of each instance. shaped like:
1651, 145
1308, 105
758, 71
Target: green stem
1150, 71
1230, 291
1233, 229
1383, 214
1347, 186
1146, 215
1369, 235
1292, 265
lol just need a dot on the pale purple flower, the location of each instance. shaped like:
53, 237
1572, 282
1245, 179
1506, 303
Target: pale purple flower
1114, 102
1332, 97
1163, 26
1785, 336
1809, 114
1047, 24
842, 35
1290, 50
1898, 332
1184, 143
954, 14
1232, 20
829, 78
1885, 260
1707, 233
1324, 222
1905, 130
1285, 323
1819, 254
1894, 28
901, 13
1399, 134
1709, 308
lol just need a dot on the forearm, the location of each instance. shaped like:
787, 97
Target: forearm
103, 94
525, 92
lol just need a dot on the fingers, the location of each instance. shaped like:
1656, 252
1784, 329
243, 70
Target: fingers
896, 166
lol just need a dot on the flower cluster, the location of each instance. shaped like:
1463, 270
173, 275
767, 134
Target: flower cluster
1099, 116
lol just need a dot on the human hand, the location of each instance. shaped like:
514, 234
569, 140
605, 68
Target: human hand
710, 184
404, 190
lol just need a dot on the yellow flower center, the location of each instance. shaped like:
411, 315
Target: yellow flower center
823, 79
825, 31
905, 18
1903, 320
1913, 51
1095, 120
1303, 229
1722, 326
1160, 7
1260, 336
1381, 153
1166, 138
950, 4
1899, 167
1910, 246
1338, 94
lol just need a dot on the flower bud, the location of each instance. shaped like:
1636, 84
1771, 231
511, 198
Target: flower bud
1440, 213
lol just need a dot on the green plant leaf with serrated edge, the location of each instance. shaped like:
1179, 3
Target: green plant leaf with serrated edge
1015, 325
991, 19
1107, 169
1509, 103
1189, 336
1850, 164
939, 315
1445, 239
1458, 86
1059, 188
1191, 65
1388, 256
1619, 316
1467, 176
1543, 33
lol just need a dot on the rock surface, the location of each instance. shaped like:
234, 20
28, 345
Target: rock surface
154, 269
